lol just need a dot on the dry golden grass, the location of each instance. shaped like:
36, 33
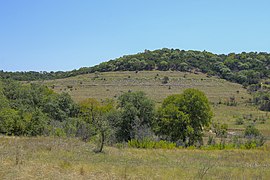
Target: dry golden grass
55, 158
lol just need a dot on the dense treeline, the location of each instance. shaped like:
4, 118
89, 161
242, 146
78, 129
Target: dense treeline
244, 68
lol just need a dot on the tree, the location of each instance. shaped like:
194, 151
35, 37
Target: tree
9, 120
38, 124
137, 113
98, 116
183, 116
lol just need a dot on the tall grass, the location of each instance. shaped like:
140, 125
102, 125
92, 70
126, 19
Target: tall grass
64, 158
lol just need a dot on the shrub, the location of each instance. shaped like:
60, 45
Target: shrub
239, 121
165, 80
211, 140
149, 144
252, 131
221, 130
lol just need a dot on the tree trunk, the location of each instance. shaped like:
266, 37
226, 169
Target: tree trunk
102, 141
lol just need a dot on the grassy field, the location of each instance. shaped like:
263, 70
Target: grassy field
55, 158
219, 91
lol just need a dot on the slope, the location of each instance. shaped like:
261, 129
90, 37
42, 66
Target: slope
230, 101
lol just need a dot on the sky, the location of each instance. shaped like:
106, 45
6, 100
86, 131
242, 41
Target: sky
53, 35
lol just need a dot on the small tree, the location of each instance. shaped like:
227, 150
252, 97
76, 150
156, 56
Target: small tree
96, 114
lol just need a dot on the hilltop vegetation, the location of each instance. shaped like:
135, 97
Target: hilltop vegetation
243, 68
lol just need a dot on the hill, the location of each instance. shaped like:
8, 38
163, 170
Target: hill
244, 68
230, 101
249, 69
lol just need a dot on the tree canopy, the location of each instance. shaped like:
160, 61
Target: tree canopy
183, 116
244, 68
137, 114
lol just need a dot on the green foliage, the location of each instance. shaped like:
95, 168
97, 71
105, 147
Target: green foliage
30, 109
262, 99
38, 124
9, 121
251, 131
98, 116
254, 137
239, 121
221, 130
60, 107
183, 116
248, 69
137, 113
244, 68
149, 144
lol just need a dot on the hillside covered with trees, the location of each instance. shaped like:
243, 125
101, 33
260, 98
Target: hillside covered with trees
244, 68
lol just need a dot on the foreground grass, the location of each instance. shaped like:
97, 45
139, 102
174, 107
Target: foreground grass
56, 158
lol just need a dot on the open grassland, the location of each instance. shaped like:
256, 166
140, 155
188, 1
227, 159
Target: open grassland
219, 91
55, 158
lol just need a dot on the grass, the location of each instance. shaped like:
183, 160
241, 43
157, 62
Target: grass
56, 158
113, 84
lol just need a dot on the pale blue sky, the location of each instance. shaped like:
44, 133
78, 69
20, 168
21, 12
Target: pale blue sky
69, 34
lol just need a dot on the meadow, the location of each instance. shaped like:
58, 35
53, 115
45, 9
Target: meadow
61, 158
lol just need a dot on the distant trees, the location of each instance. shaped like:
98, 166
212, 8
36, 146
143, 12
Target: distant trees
262, 99
183, 116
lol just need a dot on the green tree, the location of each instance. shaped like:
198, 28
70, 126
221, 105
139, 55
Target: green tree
137, 113
38, 123
98, 116
183, 116
9, 121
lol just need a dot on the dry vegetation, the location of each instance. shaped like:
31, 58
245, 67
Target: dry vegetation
219, 91
55, 158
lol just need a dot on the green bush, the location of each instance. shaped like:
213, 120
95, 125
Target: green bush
239, 121
252, 131
149, 144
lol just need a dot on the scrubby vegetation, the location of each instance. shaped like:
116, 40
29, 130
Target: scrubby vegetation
35, 110
249, 69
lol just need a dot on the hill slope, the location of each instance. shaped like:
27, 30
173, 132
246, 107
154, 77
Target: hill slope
229, 100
